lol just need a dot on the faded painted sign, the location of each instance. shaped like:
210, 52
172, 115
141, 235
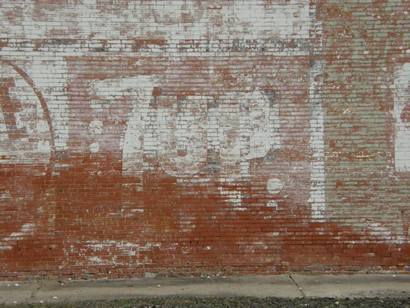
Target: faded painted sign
243, 136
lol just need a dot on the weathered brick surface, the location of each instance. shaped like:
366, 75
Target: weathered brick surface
254, 136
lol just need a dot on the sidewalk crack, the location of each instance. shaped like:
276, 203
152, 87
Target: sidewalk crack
35, 290
297, 286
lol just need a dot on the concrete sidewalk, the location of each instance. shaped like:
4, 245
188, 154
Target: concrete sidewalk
289, 286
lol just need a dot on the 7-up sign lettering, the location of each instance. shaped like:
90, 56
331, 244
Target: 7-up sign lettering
185, 131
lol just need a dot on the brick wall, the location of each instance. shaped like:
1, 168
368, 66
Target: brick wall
203, 137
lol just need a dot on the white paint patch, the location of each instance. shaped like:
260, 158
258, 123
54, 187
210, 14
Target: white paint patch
274, 186
43, 146
233, 197
249, 128
230, 135
94, 147
134, 138
264, 124
182, 130
50, 75
112, 89
317, 190
385, 234
213, 128
96, 127
42, 126
402, 125
172, 19
254, 19
138, 90
6, 243
96, 260
110, 252
272, 204
3, 131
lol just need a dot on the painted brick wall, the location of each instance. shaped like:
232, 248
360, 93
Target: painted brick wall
203, 137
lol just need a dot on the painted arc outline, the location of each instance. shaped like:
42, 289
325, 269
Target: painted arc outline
43, 105
28, 228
